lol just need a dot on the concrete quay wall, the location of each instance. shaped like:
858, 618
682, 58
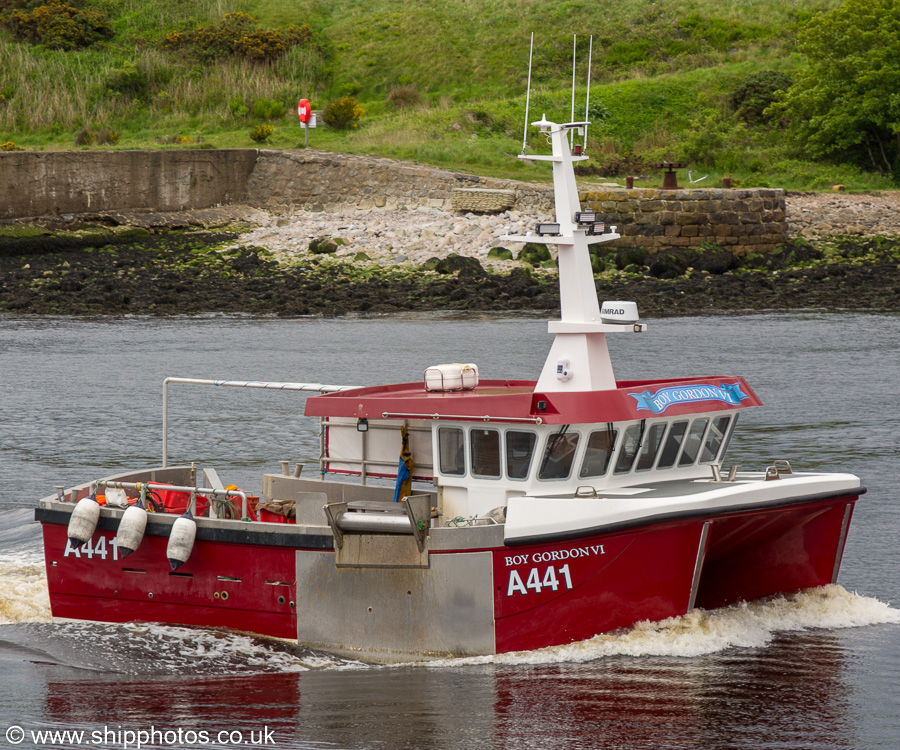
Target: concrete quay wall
55, 183
323, 181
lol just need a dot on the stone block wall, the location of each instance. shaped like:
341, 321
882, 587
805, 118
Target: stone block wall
482, 200
743, 221
323, 181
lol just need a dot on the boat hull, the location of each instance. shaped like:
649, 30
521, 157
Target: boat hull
380, 598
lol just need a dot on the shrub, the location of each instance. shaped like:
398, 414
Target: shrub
267, 109
84, 137
59, 25
613, 164
343, 113
844, 104
128, 81
237, 34
9, 146
757, 92
102, 137
262, 133
236, 105
402, 97
261, 45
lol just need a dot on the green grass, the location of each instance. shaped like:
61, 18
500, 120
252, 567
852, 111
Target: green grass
662, 74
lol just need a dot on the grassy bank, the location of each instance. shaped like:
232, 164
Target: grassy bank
441, 83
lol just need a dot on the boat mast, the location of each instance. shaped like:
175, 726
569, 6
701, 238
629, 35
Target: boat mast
579, 358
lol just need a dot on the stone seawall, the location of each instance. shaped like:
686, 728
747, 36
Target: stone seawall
36, 184
743, 221
323, 181
54, 183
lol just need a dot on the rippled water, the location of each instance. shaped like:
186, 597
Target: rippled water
818, 670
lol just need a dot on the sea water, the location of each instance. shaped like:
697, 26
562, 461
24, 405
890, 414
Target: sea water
819, 669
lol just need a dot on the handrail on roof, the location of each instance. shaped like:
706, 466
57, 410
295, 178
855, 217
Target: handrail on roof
266, 385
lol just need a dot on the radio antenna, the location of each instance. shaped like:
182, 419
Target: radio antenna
587, 100
572, 118
528, 93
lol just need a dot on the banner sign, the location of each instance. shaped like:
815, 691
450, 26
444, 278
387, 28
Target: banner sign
658, 402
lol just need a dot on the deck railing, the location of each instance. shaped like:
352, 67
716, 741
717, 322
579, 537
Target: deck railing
269, 386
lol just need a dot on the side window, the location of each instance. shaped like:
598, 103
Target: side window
519, 450
714, 439
558, 457
652, 440
597, 453
692, 444
673, 443
485, 453
452, 447
628, 449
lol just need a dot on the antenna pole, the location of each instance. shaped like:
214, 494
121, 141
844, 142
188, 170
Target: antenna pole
587, 100
528, 93
572, 119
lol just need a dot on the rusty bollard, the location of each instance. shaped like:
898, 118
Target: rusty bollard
629, 182
726, 183
670, 179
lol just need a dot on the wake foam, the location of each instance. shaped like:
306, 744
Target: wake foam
23, 590
744, 625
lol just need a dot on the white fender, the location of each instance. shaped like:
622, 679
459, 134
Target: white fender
131, 530
83, 522
181, 540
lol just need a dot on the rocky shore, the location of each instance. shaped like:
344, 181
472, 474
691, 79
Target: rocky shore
241, 259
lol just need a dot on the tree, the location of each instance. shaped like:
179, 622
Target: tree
846, 104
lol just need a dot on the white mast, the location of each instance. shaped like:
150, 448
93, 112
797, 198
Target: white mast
579, 358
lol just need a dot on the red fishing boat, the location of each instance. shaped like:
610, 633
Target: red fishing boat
454, 516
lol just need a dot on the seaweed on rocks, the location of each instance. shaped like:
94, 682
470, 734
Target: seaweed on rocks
169, 273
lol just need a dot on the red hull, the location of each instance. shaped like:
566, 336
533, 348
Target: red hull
258, 583
615, 581
753, 555
544, 594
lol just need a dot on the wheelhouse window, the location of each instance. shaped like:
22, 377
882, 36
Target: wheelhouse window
519, 450
672, 444
714, 439
597, 453
631, 438
558, 456
693, 442
452, 448
485, 453
650, 446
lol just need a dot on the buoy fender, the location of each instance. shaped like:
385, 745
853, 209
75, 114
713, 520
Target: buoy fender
131, 530
181, 540
83, 522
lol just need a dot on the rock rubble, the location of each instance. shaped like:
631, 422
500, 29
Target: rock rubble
389, 237
821, 215
397, 236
